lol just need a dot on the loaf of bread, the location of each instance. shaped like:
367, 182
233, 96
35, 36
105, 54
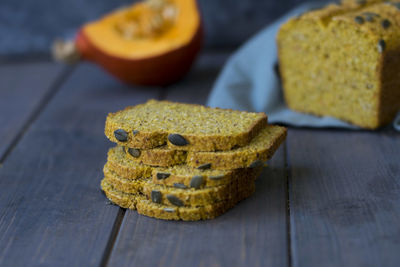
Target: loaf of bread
343, 61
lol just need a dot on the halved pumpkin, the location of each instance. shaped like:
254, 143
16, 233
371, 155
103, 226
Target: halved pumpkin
153, 42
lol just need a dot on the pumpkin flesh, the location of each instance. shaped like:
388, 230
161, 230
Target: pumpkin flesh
111, 33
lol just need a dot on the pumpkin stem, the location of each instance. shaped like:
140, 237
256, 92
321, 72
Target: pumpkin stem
65, 51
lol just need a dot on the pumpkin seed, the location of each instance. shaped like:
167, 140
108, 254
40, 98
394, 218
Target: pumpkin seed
386, 23
156, 196
135, 132
216, 177
369, 16
381, 45
204, 166
174, 200
134, 152
177, 139
179, 185
169, 209
256, 163
162, 175
359, 20
196, 181
121, 135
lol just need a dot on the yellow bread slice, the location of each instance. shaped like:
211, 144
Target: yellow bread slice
186, 127
119, 163
195, 197
179, 174
182, 175
261, 148
124, 200
150, 209
123, 184
184, 196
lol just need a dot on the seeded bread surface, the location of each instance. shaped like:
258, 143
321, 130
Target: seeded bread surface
349, 62
181, 174
262, 147
207, 212
188, 196
117, 162
160, 156
204, 129
198, 197
168, 212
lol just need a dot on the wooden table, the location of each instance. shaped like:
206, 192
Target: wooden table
328, 198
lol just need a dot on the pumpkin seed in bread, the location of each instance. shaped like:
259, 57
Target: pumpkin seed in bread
159, 156
261, 147
184, 175
179, 174
123, 166
182, 195
196, 197
168, 212
186, 127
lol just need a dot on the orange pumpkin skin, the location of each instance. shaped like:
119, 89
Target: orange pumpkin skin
159, 70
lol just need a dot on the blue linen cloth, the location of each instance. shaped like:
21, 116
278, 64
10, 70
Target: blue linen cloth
249, 82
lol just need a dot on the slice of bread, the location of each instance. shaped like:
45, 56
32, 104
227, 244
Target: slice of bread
261, 148
118, 165
168, 212
165, 212
186, 127
183, 196
122, 199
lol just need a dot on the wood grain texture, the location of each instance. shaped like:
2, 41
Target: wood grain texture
52, 212
251, 234
23, 89
344, 198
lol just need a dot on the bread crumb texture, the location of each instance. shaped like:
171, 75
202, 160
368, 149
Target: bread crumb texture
198, 128
343, 61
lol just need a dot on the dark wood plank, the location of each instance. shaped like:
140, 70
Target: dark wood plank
52, 212
23, 89
198, 83
344, 198
251, 234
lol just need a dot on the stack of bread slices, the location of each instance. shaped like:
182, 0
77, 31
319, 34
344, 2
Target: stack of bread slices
178, 161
